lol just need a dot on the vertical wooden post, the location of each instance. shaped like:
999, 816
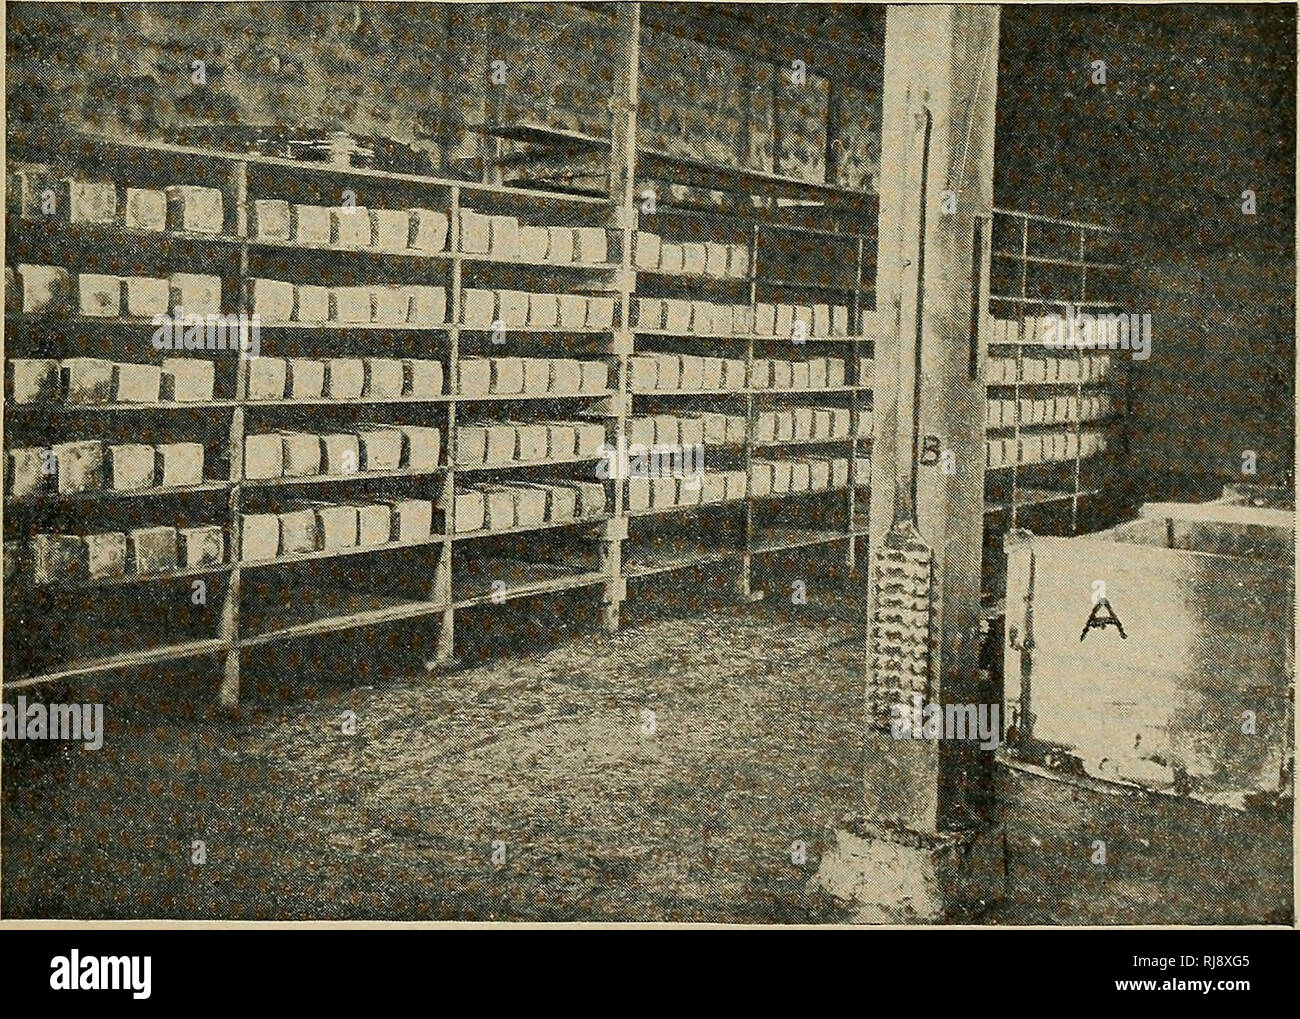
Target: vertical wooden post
445, 649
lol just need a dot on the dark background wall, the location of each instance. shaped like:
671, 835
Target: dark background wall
1198, 106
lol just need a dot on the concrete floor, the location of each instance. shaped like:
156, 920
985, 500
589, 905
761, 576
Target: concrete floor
755, 747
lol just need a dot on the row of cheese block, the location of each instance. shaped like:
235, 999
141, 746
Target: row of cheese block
501, 507
530, 376
307, 526
342, 378
89, 466
51, 288
505, 238
1048, 447
1083, 368
713, 429
144, 551
677, 315
92, 380
765, 477
36, 193
502, 443
349, 226
1049, 410
377, 447
690, 258
649, 373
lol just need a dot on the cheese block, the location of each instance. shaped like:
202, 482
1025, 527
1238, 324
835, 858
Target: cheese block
468, 510
672, 259
57, 558
151, 550
390, 304
819, 474
691, 431
99, 295
263, 457
734, 374
512, 308
86, 380
802, 314
590, 245
33, 380
478, 307
640, 432
129, 467
336, 525
840, 422
311, 304
345, 378
821, 423
507, 375
300, 454
195, 209
645, 250
723, 318
711, 373
350, 227
701, 317
591, 497
475, 233
839, 320
817, 373
590, 437
80, 466
428, 230
667, 429
692, 373
649, 312
637, 495
178, 464
742, 319
421, 447
803, 422
715, 258
693, 258
713, 488
690, 490
145, 296
800, 476
297, 531
269, 219
543, 311
304, 378
561, 440
765, 426
501, 441
561, 245
737, 427
781, 475
537, 375
384, 377
498, 507
26, 192
713, 425
800, 375
380, 448
27, 470
760, 478
473, 376
834, 372
374, 523
44, 287
533, 243
471, 445
669, 375
259, 536
663, 493
199, 546
273, 300
106, 554
311, 224
600, 312
423, 377
412, 519
503, 241
783, 324
340, 453
737, 261
677, 315
559, 501
390, 229
595, 377
194, 293
266, 378
350, 305
643, 374
144, 209
425, 306
573, 311
760, 374
737, 484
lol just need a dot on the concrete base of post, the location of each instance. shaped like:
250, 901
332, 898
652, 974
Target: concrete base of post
882, 875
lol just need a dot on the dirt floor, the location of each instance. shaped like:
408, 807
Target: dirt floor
546, 749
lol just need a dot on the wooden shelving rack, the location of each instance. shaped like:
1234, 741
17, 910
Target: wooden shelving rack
290, 598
